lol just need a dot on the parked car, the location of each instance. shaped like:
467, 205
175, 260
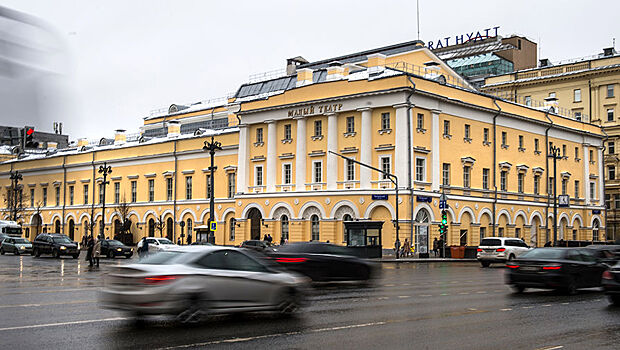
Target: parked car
56, 244
113, 248
157, 244
611, 283
323, 261
564, 269
3, 236
500, 249
257, 245
190, 281
15, 245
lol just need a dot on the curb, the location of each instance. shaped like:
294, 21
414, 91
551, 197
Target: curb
392, 260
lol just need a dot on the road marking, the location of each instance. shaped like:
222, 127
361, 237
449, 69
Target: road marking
404, 296
546, 305
553, 347
481, 292
389, 285
508, 309
425, 295
383, 298
406, 284
48, 304
472, 309
464, 293
53, 291
63, 323
565, 303
527, 307
444, 294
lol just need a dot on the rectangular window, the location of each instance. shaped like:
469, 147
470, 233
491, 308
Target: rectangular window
386, 166
169, 192
485, 178
151, 190
350, 170
616, 201
101, 195
32, 198
536, 145
117, 192
564, 151
504, 138
188, 187
134, 191
466, 176
610, 90
611, 147
551, 186
385, 121
485, 135
318, 171
350, 124
45, 196
57, 196
608, 201
518, 232
446, 128
85, 194
593, 190
536, 184
446, 174
258, 177
576, 152
611, 172
420, 121
259, 135
503, 180
286, 173
467, 131
318, 128
420, 170
287, 132
528, 100
610, 114
232, 184
521, 142
591, 156
576, 189
71, 193
520, 181
577, 95
564, 186
208, 186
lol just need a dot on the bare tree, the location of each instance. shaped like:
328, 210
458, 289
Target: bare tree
16, 202
123, 210
159, 225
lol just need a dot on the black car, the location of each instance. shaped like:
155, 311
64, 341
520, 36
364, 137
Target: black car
323, 262
113, 248
608, 254
257, 245
56, 244
611, 283
564, 269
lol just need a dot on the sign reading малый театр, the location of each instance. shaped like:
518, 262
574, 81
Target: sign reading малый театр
311, 110
463, 38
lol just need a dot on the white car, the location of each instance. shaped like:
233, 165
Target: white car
157, 244
500, 250
192, 281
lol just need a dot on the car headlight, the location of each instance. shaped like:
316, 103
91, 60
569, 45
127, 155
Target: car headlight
119, 250
22, 247
132, 249
62, 247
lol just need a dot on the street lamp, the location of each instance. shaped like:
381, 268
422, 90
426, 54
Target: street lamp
15, 178
555, 154
104, 169
212, 147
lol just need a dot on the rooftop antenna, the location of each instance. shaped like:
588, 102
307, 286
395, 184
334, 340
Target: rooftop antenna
418, 14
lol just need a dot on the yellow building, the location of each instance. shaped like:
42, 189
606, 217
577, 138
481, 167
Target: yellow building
584, 88
397, 108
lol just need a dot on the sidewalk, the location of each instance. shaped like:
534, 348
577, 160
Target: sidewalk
392, 259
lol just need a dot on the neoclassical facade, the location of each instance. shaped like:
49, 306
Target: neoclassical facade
280, 171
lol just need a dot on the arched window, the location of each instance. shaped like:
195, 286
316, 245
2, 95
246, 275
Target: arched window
314, 219
346, 217
284, 227
151, 227
231, 229
422, 222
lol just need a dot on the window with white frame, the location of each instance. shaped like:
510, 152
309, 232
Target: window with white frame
350, 125
520, 181
564, 186
385, 121
284, 227
386, 167
232, 184
258, 175
536, 145
485, 135
564, 151
485, 178
420, 123
117, 192
576, 189
536, 184
445, 174
85, 188
610, 90
593, 190
611, 172
287, 131
420, 169
188, 187
521, 142
32, 197
446, 128
231, 229
503, 180
610, 114
151, 190
71, 193
528, 100
134, 191
45, 197
101, 195
611, 147
318, 128
350, 170
259, 135
286, 173
551, 186
577, 95
317, 171
466, 176
169, 188
552, 94
314, 225
467, 132
504, 138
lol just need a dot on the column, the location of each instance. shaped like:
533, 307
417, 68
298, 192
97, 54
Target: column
435, 162
601, 179
332, 145
271, 156
300, 155
242, 160
400, 147
586, 173
366, 147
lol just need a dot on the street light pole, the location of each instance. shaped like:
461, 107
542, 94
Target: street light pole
104, 169
555, 154
212, 147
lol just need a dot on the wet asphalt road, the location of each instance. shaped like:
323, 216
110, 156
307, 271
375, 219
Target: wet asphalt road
51, 304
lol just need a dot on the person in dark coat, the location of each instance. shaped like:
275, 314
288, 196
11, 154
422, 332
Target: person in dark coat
90, 245
435, 246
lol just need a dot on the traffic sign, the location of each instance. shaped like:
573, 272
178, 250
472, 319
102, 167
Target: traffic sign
213, 226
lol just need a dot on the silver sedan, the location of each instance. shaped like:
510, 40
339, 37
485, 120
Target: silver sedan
193, 281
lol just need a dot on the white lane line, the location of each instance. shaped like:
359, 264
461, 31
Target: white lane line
238, 340
472, 309
555, 347
383, 298
463, 293
546, 305
527, 307
507, 309
565, 303
63, 323
426, 295
481, 292
49, 304
389, 285
404, 296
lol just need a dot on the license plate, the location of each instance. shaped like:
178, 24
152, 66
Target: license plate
529, 268
489, 250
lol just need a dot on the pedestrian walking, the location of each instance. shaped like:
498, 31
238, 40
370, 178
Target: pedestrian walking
179, 241
397, 248
435, 247
97, 251
90, 244
440, 246
406, 248
282, 240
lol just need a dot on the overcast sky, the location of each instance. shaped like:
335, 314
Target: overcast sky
115, 61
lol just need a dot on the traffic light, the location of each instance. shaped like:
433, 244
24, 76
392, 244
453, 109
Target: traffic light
29, 137
443, 226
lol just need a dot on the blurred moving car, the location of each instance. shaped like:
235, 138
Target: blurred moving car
157, 244
564, 269
56, 244
189, 282
323, 261
202, 243
15, 245
113, 248
611, 283
257, 245
608, 254
500, 250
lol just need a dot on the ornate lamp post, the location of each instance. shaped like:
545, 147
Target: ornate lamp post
104, 169
554, 152
212, 147
13, 203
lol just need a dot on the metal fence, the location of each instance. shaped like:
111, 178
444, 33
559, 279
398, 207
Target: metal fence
435, 73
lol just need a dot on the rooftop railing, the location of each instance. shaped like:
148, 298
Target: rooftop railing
430, 73
522, 100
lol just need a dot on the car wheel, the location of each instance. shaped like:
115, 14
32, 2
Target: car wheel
36, 252
571, 287
290, 302
485, 263
614, 299
195, 309
518, 288
110, 255
2, 251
